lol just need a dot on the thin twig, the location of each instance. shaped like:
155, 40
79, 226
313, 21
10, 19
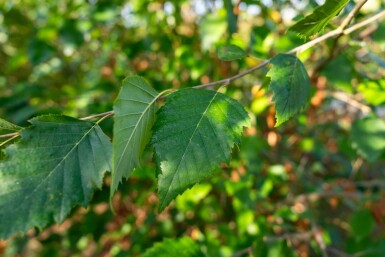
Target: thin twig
341, 30
364, 23
243, 251
338, 253
320, 241
9, 135
231, 79
9, 140
353, 13
98, 115
290, 236
344, 97
334, 50
337, 32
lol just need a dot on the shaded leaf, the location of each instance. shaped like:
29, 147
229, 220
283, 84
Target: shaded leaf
230, 53
319, 18
362, 223
184, 246
290, 84
8, 126
194, 132
134, 116
57, 164
368, 137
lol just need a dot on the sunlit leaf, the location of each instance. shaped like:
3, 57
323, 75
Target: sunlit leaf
368, 137
290, 84
230, 53
319, 18
194, 132
134, 116
7, 126
184, 246
57, 164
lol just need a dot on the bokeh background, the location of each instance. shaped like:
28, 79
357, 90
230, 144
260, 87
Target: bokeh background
297, 190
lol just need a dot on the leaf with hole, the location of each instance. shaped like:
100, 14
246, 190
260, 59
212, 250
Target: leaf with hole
290, 84
194, 132
319, 18
135, 109
231, 52
57, 164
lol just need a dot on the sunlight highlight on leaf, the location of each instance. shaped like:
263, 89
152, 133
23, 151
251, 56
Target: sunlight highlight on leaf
195, 132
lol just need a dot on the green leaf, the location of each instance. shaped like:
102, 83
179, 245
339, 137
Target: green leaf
368, 138
57, 164
373, 91
134, 116
319, 18
230, 53
7, 126
290, 84
184, 246
194, 132
362, 223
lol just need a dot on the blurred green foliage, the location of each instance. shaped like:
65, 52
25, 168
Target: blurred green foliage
297, 190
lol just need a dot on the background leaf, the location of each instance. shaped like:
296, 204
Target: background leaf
184, 246
134, 116
8, 126
57, 164
362, 222
230, 53
368, 137
194, 132
319, 18
290, 84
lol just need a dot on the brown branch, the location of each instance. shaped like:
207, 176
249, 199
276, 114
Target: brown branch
231, 79
353, 13
319, 239
8, 140
337, 32
104, 114
378, 16
334, 50
9, 135
243, 251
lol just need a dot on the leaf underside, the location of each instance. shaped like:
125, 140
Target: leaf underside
290, 84
368, 138
319, 18
57, 164
194, 132
179, 247
135, 109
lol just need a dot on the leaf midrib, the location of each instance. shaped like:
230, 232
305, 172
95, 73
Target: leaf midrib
137, 123
188, 144
54, 169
